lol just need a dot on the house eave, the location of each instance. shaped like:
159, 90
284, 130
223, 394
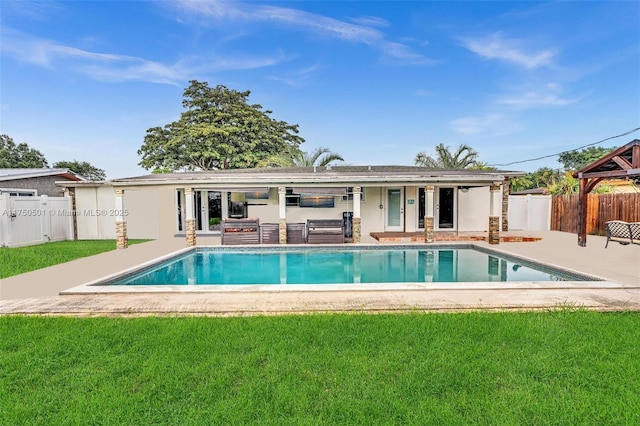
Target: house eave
316, 180
18, 174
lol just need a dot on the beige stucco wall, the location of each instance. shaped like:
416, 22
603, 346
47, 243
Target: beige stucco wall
411, 210
370, 211
267, 210
149, 212
152, 211
473, 209
143, 212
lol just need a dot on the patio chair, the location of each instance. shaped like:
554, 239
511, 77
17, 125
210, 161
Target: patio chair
622, 232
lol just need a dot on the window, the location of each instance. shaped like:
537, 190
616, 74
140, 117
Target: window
349, 196
291, 198
20, 192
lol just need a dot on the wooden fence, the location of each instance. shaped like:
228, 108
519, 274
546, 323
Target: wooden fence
600, 209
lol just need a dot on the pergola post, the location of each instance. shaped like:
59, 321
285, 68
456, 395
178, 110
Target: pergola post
582, 214
586, 186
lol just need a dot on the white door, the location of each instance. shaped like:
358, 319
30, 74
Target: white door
394, 220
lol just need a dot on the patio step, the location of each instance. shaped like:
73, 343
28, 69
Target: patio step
418, 237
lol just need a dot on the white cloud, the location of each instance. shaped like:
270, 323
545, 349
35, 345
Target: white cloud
488, 125
372, 21
548, 95
532, 99
497, 47
114, 67
297, 78
41, 10
361, 32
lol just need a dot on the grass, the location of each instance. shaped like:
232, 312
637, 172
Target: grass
560, 367
18, 260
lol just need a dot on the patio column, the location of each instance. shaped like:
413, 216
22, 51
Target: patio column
429, 235
122, 242
357, 220
190, 219
506, 190
494, 221
282, 209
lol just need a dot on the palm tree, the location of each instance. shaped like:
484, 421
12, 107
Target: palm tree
321, 157
463, 158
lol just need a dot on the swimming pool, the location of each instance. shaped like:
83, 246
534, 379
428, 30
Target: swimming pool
344, 265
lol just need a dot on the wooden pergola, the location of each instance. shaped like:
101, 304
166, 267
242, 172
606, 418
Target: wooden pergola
624, 162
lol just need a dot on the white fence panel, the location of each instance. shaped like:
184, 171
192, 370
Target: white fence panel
530, 212
27, 221
60, 219
27, 225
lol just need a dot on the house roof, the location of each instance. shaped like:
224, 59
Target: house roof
13, 174
622, 162
321, 176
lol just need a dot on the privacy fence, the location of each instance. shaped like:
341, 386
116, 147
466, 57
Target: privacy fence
600, 209
26, 221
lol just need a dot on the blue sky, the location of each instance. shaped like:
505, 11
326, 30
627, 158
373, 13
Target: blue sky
377, 82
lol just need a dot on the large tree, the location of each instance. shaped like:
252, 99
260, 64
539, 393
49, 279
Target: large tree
575, 160
320, 157
218, 130
84, 169
464, 157
20, 155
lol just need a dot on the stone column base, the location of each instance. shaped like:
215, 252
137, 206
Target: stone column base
357, 230
282, 231
191, 232
429, 234
494, 229
122, 242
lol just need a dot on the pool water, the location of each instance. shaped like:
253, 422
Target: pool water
340, 266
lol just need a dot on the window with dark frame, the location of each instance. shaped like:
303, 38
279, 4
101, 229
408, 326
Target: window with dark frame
291, 199
349, 196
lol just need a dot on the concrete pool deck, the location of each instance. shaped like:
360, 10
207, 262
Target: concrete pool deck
37, 292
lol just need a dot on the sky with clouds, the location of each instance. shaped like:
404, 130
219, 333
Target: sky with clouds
376, 81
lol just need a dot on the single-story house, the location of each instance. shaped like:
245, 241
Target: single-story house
34, 182
371, 198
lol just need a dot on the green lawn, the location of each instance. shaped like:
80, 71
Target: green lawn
14, 261
565, 367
